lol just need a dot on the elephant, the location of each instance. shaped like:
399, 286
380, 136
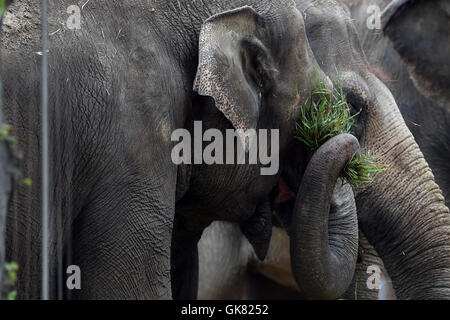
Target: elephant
130, 76
418, 78
417, 75
369, 207
230, 270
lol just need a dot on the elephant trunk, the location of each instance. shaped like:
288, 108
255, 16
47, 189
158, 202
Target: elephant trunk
404, 217
402, 213
324, 235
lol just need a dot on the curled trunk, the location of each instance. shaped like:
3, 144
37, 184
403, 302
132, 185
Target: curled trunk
324, 235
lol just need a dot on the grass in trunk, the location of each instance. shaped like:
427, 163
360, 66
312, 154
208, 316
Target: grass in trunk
325, 114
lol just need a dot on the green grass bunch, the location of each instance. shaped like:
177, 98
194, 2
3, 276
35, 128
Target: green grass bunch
361, 169
325, 114
11, 269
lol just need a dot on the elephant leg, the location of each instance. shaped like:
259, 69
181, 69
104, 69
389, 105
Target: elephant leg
185, 274
185, 261
224, 254
121, 240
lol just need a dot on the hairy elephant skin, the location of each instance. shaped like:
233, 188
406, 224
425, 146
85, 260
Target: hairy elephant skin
121, 84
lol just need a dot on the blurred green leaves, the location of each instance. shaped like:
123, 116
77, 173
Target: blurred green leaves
2, 7
11, 269
4, 134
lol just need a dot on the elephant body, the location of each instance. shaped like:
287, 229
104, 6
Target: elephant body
130, 218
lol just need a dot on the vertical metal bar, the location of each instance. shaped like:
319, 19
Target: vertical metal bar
2, 215
45, 178
2, 6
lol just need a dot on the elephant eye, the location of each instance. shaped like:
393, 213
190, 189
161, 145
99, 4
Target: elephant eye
355, 113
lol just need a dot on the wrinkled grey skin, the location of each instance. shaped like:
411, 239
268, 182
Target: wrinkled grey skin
418, 75
359, 288
420, 32
229, 268
385, 228
121, 84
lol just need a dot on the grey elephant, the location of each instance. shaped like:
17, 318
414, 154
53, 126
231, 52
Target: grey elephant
418, 76
130, 216
410, 54
229, 268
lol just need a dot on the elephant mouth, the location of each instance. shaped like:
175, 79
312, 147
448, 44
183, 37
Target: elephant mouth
282, 199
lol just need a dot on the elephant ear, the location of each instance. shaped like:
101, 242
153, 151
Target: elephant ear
420, 32
235, 68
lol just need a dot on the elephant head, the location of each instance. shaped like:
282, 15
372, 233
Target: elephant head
402, 213
250, 60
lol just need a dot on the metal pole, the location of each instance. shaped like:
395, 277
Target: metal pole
2, 214
45, 179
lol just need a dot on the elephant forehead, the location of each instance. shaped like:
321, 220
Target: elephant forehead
332, 34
